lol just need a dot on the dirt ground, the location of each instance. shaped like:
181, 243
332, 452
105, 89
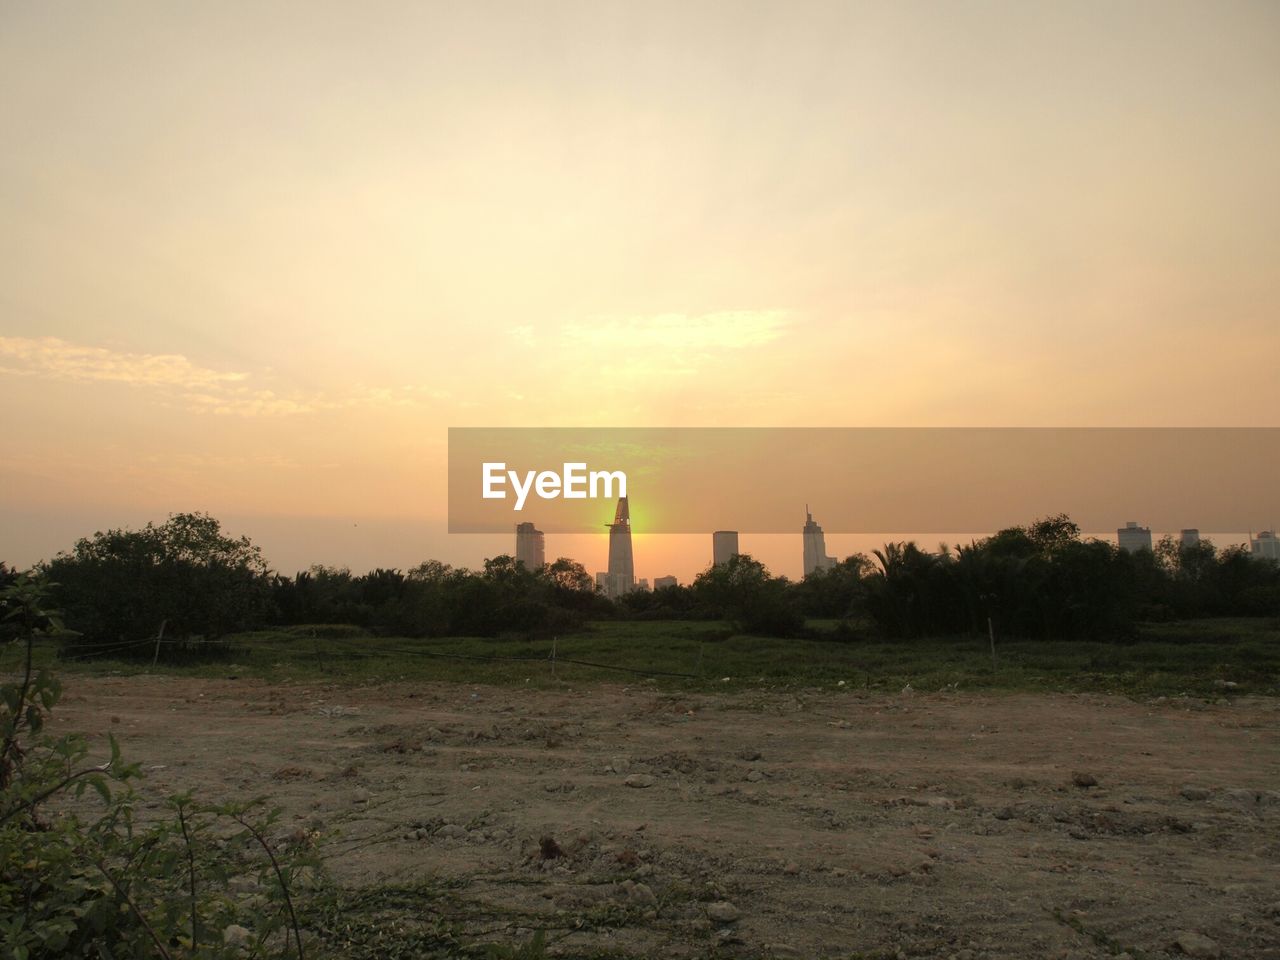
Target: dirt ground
831, 824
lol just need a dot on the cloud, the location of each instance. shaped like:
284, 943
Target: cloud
681, 332
255, 403
198, 389
60, 360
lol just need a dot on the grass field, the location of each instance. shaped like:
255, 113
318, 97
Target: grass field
919, 810
1202, 658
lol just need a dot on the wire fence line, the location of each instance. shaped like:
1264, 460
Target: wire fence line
116, 645
349, 649
84, 651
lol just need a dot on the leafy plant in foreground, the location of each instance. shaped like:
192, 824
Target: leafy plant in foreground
83, 873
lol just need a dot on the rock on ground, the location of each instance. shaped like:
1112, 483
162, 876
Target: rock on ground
722, 911
234, 935
1197, 945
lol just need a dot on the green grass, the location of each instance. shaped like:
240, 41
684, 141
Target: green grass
1168, 659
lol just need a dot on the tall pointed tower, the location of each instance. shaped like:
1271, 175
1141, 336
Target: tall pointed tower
815, 546
622, 571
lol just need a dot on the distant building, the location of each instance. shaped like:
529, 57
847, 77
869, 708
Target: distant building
1188, 538
815, 546
531, 549
661, 583
621, 576
724, 546
613, 585
1265, 546
1133, 538
642, 585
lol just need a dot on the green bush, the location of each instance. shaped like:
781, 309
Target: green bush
201, 881
181, 580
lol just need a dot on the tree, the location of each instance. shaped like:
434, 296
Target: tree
1042, 580
430, 571
8, 577
837, 590
569, 576
744, 592
1054, 532
909, 595
570, 588
122, 585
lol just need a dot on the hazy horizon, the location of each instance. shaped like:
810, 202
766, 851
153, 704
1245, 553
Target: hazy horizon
292, 544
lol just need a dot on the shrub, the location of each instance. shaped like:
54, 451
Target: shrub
183, 578
195, 883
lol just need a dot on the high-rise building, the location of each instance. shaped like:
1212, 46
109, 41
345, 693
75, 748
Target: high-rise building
1133, 538
1265, 546
531, 549
1188, 537
621, 576
724, 546
815, 546
661, 583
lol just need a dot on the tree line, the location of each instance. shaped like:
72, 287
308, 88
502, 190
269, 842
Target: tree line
188, 580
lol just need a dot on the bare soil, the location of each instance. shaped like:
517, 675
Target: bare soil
835, 824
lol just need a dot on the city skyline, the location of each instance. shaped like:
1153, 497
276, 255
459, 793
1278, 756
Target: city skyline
1133, 536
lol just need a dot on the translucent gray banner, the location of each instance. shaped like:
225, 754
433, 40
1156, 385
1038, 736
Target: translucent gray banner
862, 480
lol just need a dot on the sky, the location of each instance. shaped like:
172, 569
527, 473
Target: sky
256, 259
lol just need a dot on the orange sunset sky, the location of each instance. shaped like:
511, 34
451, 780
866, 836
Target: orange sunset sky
255, 259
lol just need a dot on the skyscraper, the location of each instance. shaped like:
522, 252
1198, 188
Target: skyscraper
815, 546
1132, 537
1189, 537
621, 577
1265, 546
724, 544
530, 546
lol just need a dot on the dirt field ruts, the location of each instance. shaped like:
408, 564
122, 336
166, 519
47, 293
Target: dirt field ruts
833, 823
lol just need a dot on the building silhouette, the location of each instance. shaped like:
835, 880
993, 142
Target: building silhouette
531, 549
620, 578
1188, 538
661, 583
724, 546
815, 546
1133, 538
1265, 546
